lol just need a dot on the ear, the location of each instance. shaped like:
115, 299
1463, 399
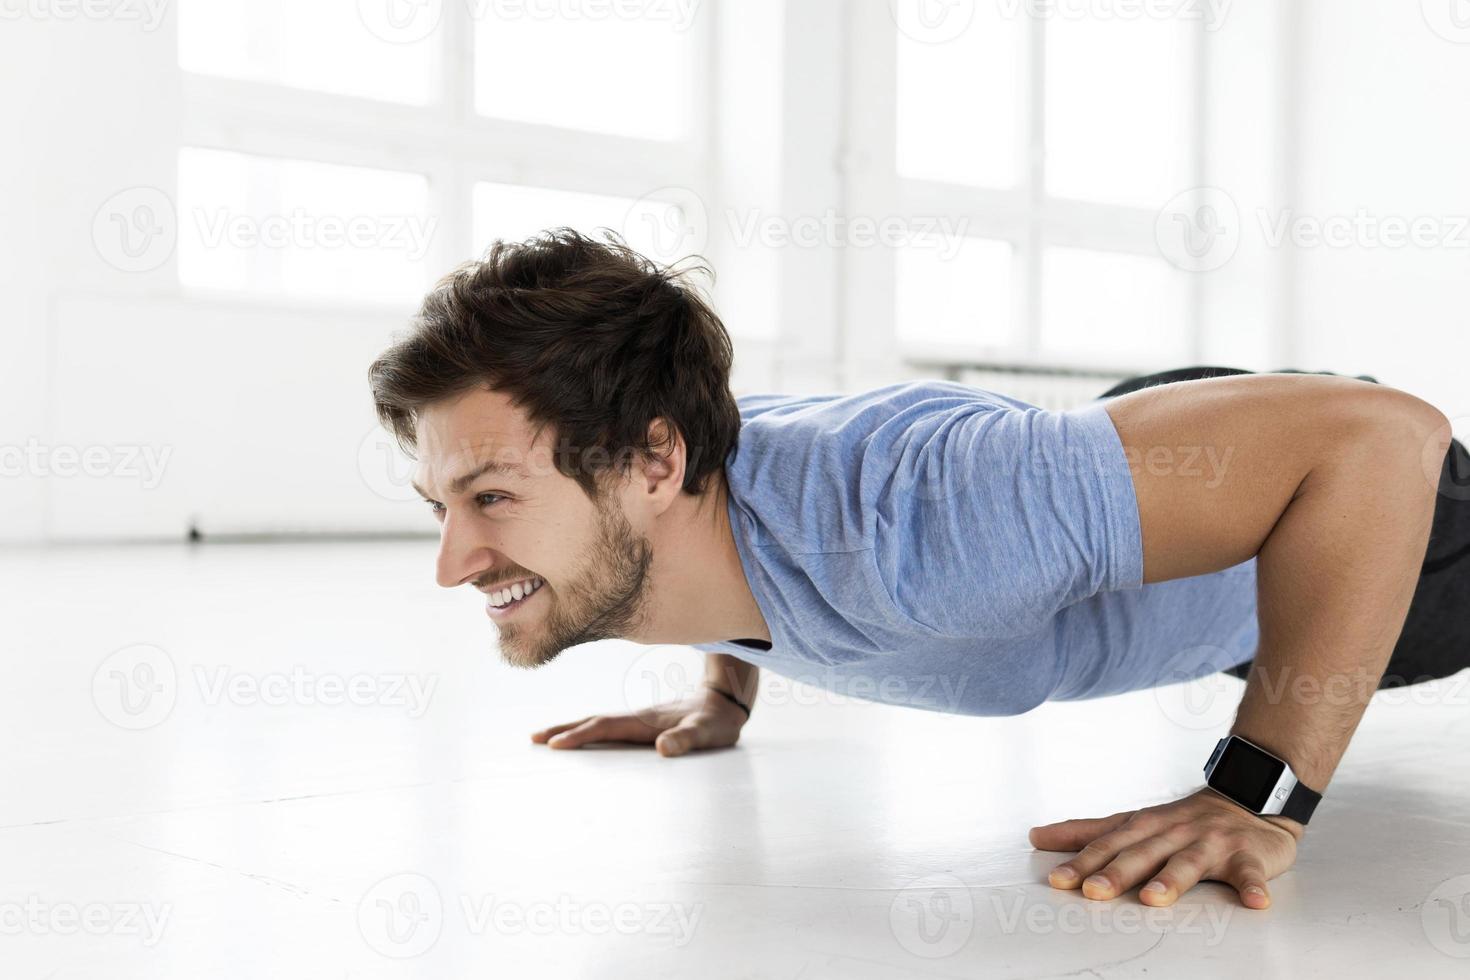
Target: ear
663, 473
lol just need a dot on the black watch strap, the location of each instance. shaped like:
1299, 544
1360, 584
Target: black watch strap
1300, 803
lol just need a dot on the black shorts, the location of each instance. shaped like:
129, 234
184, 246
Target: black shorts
1435, 641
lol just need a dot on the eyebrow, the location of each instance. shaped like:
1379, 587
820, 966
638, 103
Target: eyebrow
459, 484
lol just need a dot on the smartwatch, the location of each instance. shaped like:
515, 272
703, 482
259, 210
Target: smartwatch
1247, 774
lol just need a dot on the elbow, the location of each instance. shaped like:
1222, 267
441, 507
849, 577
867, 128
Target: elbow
1413, 426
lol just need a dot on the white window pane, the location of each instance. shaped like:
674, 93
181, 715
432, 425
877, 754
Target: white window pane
325, 45
959, 102
300, 228
514, 212
957, 293
1124, 309
1117, 108
626, 71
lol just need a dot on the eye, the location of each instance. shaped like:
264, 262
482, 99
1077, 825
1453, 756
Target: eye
484, 500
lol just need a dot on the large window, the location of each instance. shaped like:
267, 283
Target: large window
352, 152
1051, 135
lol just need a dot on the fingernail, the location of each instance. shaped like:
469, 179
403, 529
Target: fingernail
1256, 890
1064, 874
1156, 886
1098, 881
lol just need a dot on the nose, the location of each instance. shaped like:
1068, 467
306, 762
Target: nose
462, 556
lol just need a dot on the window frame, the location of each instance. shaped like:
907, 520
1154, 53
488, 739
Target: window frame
1026, 216
446, 141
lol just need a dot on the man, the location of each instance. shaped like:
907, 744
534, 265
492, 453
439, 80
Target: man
591, 473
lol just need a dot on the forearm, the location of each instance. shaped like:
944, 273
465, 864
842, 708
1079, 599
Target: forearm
1331, 486
1334, 581
732, 675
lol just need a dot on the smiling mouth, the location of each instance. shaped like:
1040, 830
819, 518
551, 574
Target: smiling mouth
504, 602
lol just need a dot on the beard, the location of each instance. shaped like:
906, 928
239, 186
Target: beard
605, 602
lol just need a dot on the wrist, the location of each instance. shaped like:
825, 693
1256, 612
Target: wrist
723, 696
1291, 826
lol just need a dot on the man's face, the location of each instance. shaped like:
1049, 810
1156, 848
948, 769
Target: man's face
507, 515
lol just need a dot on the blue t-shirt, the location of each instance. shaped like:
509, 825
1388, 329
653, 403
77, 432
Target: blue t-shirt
945, 547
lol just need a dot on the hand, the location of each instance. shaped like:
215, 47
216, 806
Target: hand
1201, 837
700, 722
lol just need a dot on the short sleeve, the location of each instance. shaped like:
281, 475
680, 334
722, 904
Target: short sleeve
990, 518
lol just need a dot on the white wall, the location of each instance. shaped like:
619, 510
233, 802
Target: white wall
91, 108
1383, 131
257, 411
1332, 107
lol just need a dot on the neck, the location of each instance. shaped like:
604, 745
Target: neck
697, 590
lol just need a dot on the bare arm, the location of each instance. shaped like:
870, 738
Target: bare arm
732, 675
1326, 484
1326, 487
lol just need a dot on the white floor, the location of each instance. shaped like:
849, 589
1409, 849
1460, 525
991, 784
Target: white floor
228, 815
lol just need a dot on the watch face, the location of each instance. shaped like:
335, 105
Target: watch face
1246, 774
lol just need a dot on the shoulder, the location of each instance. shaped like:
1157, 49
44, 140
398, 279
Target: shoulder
875, 405
810, 471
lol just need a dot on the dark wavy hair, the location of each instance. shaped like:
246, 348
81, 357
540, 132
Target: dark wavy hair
587, 336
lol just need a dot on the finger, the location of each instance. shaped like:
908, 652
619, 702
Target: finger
1072, 835
1182, 872
684, 737
1133, 864
545, 733
1093, 855
1248, 875
613, 728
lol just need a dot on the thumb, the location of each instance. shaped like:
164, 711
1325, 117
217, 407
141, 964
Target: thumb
682, 738
1249, 878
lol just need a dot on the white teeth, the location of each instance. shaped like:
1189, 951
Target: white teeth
518, 590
